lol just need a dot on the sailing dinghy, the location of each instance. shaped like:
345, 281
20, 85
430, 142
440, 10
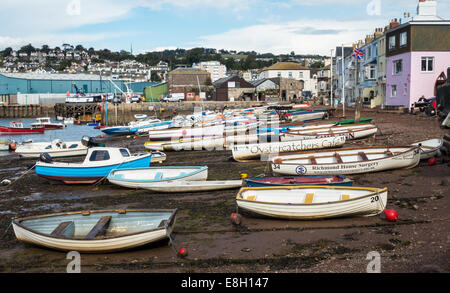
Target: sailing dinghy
312, 202
96, 231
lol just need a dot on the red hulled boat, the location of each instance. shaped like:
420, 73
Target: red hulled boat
46, 123
17, 128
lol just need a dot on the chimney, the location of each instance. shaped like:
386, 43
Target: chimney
427, 8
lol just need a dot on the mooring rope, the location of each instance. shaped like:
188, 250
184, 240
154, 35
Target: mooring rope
20, 177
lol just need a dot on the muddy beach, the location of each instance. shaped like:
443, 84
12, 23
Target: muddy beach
418, 242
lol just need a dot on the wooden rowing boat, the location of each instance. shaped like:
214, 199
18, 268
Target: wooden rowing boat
312, 202
145, 177
429, 148
337, 180
96, 231
347, 161
243, 152
350, 132
193, 186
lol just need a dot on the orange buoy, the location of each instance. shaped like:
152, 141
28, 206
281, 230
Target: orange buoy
102, 135
12, 146
236, 219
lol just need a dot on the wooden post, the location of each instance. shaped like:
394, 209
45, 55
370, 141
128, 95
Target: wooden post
358, 110
115, 112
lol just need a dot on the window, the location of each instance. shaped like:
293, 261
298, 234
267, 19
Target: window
301, 74
398, 67
392, 43
403, 39
427, 64
279, 74
99, 156
394, 91
290, 74
371, 72
124, 153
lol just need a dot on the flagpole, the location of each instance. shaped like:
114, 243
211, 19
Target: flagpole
343, 82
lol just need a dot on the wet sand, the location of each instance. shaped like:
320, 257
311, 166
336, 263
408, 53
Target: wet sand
418, 242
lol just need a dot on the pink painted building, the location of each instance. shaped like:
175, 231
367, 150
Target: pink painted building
417, 53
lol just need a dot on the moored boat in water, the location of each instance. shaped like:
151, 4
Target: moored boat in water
18, 128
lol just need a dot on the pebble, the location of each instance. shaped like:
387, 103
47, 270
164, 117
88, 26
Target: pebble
435, 209
416, 207
246, 250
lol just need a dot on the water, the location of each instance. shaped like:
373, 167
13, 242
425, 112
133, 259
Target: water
72, 132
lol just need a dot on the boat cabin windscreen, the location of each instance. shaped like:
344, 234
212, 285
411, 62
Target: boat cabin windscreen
99, 156
124, 153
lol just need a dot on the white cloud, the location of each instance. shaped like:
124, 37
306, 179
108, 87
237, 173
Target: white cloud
292, 36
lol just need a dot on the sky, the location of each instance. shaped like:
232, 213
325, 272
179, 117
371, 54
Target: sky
264, 26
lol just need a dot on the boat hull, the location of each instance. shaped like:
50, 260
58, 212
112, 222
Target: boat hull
194, 186
100, 245
12, 130
86, 175
369, 205
286, 181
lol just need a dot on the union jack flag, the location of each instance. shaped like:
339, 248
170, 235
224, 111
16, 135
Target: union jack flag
357, 53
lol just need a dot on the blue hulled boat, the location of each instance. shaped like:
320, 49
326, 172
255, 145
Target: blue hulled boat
97, 165
337, 180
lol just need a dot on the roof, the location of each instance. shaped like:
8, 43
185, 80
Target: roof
286, 66
260, 81
224, 79
188, 71
53, 76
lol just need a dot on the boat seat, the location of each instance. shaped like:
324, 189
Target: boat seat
99, 228
309, 198
251, 197
338, 158
158, 175
345, 197
65, 229
363, 156
313, 160
389, 153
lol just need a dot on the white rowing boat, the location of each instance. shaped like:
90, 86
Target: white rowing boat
429, 148
312, 202
193, 186
347, 161
145, 177
96, 231
350, 132
252, 151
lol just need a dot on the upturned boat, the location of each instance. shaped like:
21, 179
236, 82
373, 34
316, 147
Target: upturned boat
193, 186
97, 164
312, 202
336, 180
149, 176
96, 231
347, 160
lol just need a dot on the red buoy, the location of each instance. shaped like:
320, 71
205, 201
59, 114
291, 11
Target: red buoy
12, 146
432, 162
102, 135
391, 215
184, 132
236, 219
182, 252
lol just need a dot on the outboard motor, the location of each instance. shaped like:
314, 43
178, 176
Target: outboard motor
89, 142
46, 158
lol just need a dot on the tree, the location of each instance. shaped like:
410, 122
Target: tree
155, 77
6, 52
27, 49
317, 64
208, 81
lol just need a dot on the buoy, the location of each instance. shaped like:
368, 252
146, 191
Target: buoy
184, 132
244, 175
431, 162
391, 215
12, 146
135, 137
5, 182
102, 135
182, 252
79, 122
236, 219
